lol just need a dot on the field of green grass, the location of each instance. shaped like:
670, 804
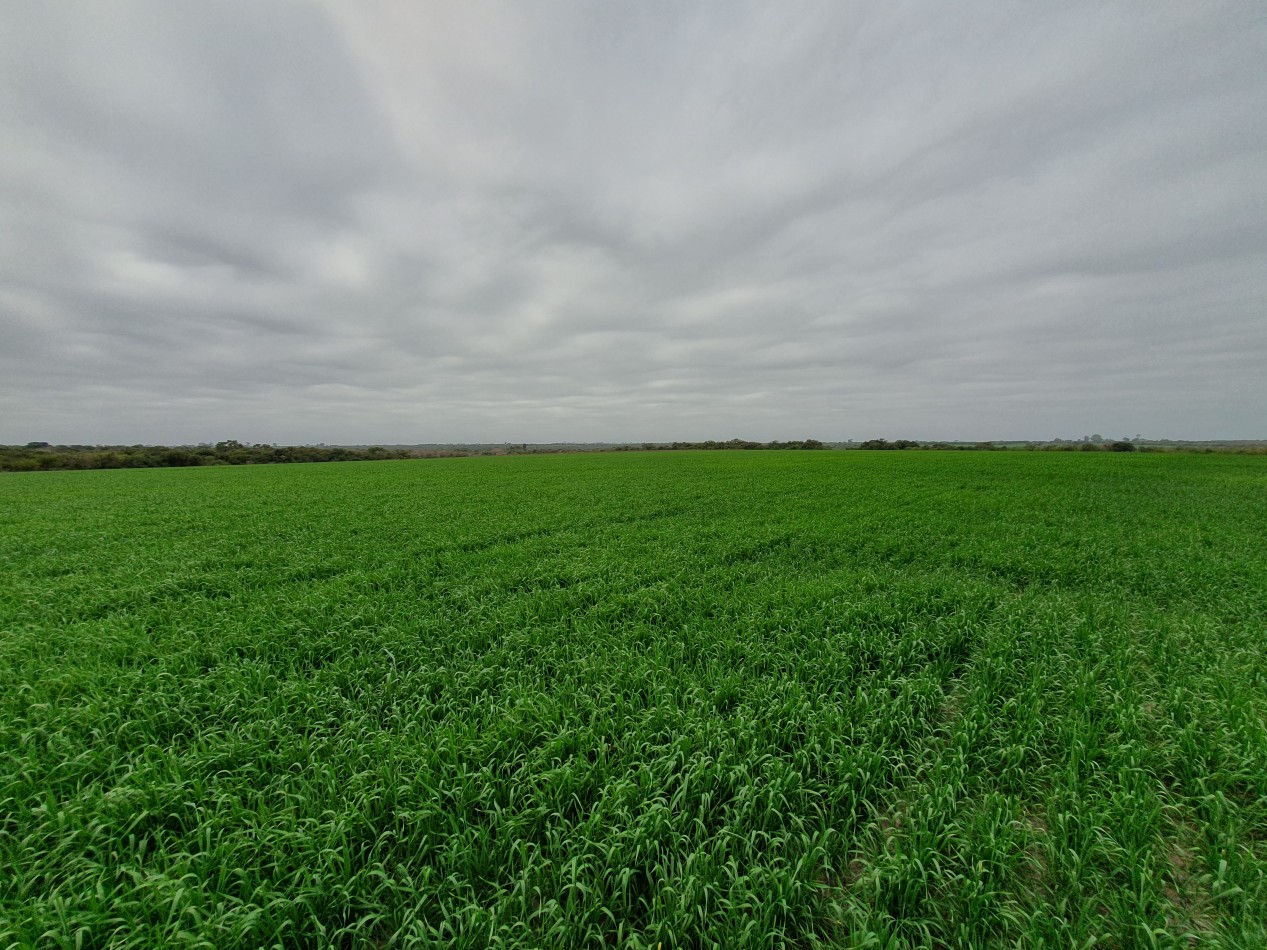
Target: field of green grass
683, 699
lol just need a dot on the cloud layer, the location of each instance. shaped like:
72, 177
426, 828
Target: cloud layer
577, 221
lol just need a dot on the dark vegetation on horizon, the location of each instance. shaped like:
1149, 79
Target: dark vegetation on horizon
42, 456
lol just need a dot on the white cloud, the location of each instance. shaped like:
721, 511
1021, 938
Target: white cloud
431, 222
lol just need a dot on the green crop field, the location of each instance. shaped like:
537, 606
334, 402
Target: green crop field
680, 699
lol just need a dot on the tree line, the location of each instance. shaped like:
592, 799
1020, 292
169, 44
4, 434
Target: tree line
40, 456
899, 444
713, 445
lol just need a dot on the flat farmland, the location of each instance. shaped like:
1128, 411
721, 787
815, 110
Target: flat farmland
722, 699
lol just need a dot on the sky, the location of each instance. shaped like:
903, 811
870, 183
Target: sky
376, 222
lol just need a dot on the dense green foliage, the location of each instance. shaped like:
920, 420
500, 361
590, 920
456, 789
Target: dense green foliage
714, 445
698, 699
881, 445
42, 457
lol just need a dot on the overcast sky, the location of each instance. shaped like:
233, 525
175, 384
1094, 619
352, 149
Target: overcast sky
462, 221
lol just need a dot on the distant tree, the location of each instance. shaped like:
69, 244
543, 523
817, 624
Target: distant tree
1122, 447
179, 458
881, 444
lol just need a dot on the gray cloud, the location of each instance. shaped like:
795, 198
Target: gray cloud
430, 222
